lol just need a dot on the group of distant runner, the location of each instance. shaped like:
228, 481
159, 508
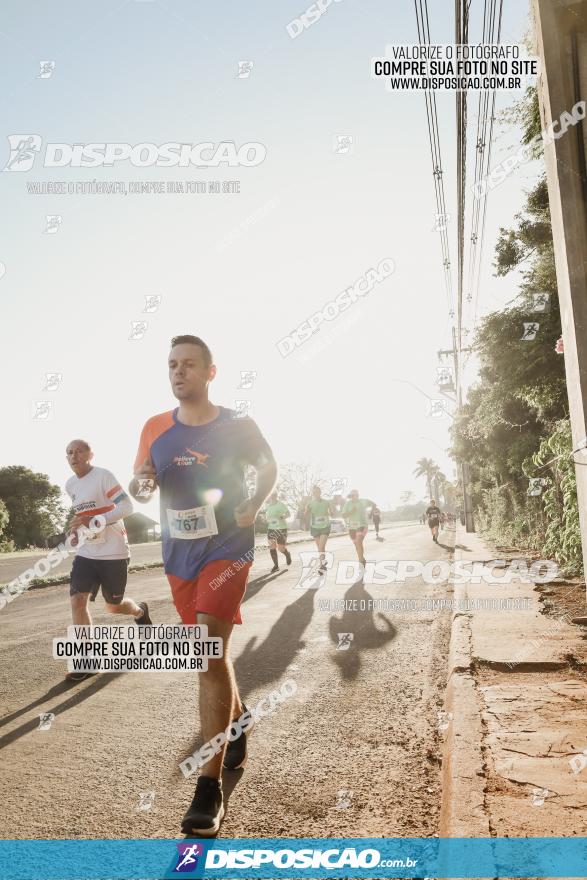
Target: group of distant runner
196, 455
320, 511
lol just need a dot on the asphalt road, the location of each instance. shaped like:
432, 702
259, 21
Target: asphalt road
355, 752
14, 564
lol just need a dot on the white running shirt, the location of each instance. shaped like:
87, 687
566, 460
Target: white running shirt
99, 492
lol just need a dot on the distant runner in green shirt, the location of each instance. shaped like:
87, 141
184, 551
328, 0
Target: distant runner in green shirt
276, 514
319, 509
355, 513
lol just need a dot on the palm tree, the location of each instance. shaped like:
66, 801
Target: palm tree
428, 469
440, 483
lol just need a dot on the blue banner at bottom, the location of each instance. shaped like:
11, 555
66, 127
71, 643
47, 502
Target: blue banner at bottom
367, 857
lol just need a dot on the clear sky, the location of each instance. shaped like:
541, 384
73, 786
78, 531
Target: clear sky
240, 270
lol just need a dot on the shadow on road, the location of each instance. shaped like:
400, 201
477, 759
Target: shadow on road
445, 546
366, 635
254, 587
100, 682
55, 691
265, 663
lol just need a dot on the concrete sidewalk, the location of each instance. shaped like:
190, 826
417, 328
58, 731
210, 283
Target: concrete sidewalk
515, 720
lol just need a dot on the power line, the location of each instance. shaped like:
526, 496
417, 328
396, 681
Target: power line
423, 25
491, 34
461, 37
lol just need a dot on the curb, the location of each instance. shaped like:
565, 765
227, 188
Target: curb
462, 811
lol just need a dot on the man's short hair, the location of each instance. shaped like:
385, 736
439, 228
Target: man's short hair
189, 339
84, 443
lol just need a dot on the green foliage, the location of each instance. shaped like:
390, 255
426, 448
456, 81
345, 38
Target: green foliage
554, 462
526, 113
33, 505
532, 236
5, 546
515, 419
428, 469
505, 516
406, 512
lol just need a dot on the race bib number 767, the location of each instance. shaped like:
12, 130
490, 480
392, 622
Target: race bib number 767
190, 525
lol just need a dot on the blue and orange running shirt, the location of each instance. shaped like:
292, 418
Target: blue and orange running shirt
201, 478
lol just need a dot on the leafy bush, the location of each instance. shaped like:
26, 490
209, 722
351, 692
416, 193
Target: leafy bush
554, 462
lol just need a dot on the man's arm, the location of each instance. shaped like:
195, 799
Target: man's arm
117, 496
145, 472
257, 453
266, 471
266, 480
143, 469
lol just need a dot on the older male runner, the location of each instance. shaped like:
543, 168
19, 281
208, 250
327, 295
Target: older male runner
101, 560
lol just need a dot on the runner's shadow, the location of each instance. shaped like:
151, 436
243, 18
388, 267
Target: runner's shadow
254, 587
365, 634
462, 547
265, 663
230, 780
101, 681
55, 691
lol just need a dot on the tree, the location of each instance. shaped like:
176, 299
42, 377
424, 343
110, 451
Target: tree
516, 416
440, 483
33, 505
521, 393
428, 469
5, 546
295, 485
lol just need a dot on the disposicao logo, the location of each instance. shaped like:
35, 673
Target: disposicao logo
187, 857
24, 149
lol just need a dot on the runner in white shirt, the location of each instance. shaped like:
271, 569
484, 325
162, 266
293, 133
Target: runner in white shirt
101, 560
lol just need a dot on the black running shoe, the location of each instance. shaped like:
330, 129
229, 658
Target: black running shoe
206, 810
235, 756
144, 619
287, 557
275, 568
79, 676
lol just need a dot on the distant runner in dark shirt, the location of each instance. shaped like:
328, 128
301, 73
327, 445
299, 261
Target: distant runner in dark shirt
433, 514
376, 517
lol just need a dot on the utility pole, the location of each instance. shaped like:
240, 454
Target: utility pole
464, 466
561, 43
